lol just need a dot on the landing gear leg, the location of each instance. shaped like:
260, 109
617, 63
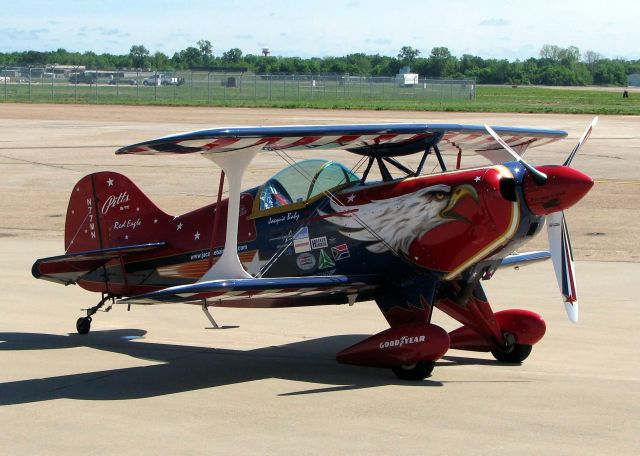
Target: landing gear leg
83, 324
205, 309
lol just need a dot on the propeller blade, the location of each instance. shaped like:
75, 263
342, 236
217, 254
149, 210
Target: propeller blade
539, 178
581, 142
562, 257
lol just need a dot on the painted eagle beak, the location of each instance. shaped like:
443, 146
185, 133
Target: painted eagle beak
458, 194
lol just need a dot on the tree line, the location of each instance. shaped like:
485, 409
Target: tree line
554, 66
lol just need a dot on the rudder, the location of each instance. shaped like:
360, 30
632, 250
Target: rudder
106, 210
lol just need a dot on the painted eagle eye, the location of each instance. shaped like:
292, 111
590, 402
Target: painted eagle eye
438, 196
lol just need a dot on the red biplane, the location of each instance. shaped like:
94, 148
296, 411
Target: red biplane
318, 233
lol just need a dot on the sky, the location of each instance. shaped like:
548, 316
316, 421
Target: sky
487, 28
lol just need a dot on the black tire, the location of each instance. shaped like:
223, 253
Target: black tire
83, 325
415, 372
515, 354
145, 83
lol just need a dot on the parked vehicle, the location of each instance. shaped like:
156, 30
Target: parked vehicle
162, 79
83, 78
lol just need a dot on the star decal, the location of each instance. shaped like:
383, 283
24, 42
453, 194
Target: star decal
254, 266
196, 236
155, 220
126, 236
477, 179
350, 198
179, 226
110, 182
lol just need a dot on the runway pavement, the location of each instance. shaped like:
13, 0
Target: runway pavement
154, 380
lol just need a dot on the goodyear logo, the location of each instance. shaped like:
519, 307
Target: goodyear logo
404, 340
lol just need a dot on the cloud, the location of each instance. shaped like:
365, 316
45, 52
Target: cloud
244, 36
494, 22
23, 35
107, 31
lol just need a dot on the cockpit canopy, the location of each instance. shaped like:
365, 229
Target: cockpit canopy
303, 181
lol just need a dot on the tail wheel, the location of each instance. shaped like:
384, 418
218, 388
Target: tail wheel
417, 371
513, 354
83, 325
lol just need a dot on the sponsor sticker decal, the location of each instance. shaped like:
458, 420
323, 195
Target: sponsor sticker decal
340, 252
301, 241
301, 245
302, 233
306, 261
325, 260
319, 242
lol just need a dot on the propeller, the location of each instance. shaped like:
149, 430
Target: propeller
562, 258
557, 231
539, 177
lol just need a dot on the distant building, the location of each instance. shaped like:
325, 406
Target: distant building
634, 79
405, 78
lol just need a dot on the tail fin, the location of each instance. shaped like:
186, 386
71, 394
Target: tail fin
107, 210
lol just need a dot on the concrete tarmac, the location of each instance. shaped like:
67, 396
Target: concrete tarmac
154, 380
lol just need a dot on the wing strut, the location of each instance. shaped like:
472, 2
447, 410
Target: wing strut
366, 171
439, 157
399, 165
234, 164
422, 161
386, 175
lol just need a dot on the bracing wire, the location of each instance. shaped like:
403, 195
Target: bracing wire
331, 197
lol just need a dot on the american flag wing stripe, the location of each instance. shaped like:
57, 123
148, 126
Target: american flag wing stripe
261, 288
352, 137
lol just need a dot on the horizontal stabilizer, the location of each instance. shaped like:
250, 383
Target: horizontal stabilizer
68, 269
520, 259
264, 292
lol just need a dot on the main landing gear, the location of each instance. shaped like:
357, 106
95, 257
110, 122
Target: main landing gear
83, 324
511, 352
416, 371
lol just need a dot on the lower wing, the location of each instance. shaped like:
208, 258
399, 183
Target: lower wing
266, 292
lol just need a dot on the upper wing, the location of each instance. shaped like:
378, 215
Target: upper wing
266, 292
68, 269
380, 140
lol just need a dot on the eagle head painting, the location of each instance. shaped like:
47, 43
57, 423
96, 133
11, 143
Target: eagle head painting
394, 223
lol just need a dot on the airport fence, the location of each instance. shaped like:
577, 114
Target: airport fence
76, 85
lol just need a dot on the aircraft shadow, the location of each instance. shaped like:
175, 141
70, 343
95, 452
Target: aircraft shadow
184, 368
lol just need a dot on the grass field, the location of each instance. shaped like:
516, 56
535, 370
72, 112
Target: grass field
284, 93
